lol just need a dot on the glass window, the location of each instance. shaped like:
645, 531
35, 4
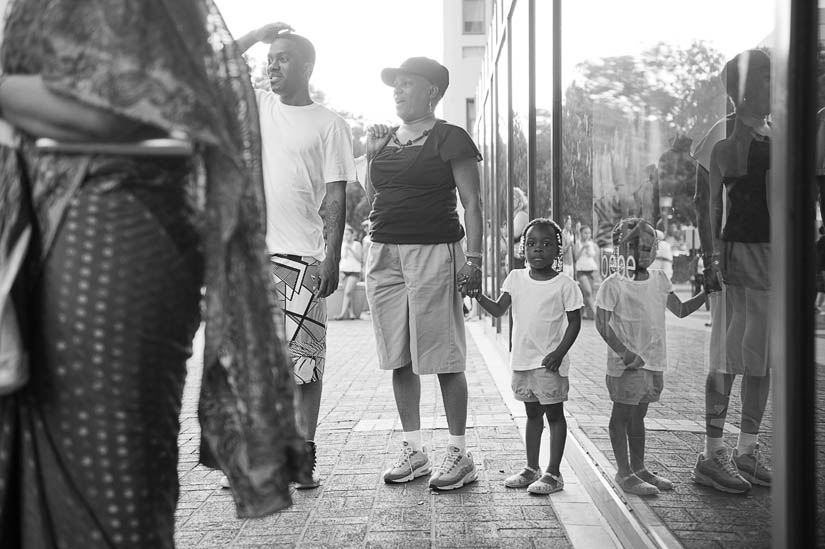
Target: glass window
643, 107
473, 16
520, 162
470, 112
472, 52
544, 109
502, 188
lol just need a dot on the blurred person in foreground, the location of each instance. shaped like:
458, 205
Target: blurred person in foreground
112, 283
417, 272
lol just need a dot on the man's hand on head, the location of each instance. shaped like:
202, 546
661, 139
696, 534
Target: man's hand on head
270, 32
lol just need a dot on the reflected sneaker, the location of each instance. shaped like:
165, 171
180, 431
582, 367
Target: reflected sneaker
315, 481
456, 470
652, 478
753, 467
719, 472
523, 479
547, 484
632, 484
410, 465
225, 482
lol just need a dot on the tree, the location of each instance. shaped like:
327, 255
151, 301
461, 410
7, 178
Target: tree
621, 113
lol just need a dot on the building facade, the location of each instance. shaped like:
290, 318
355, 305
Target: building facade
465, 36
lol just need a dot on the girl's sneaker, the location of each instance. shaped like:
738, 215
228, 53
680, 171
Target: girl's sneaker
661, 483
634, 485
548, 483
523, 479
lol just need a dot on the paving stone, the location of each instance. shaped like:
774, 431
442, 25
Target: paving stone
357, 439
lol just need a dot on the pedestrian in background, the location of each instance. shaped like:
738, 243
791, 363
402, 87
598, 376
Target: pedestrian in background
546, 321
586, 254
416, 262
630, 318
350, 268
128, 234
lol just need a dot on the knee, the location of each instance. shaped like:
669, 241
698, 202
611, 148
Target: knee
554, 413
533, 410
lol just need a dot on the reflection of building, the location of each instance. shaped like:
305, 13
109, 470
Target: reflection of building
465, 34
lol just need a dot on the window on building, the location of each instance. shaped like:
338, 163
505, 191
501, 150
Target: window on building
473, 16
470, 52
470, 113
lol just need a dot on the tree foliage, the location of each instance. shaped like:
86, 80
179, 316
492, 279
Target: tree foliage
620, 114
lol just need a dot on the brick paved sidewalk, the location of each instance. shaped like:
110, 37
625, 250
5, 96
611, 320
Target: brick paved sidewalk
358, 436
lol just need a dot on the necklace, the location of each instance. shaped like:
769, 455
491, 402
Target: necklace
409, 142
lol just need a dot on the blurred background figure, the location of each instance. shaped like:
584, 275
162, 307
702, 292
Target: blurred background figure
587, 264
350, 267
664, 255
568, 243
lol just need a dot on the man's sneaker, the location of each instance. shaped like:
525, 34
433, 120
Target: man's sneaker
753, 467
410, 465
225, 482
310, 472
522, 479
456, 470
719, 472
547, 484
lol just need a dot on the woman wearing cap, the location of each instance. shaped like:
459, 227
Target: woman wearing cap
417, 273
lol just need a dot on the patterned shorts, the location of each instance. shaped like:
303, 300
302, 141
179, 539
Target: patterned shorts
305, 315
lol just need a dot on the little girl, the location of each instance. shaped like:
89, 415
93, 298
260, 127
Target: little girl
546, 320
630, 316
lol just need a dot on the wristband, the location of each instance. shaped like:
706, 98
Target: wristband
473, 265
476, 255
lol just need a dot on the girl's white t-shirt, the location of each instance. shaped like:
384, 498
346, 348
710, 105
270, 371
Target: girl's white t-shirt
638, 318
539, 316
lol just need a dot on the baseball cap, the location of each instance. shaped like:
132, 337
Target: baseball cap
436, 73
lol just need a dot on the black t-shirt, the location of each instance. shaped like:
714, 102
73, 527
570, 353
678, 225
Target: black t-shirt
415, 198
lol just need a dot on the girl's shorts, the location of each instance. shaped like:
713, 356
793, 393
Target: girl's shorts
636, 386
540, 385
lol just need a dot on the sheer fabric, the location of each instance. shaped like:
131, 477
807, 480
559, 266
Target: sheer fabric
171, 64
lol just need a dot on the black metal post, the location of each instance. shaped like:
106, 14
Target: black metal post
792, 228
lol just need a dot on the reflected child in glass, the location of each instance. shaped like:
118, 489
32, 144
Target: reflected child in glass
630, 317
546, 321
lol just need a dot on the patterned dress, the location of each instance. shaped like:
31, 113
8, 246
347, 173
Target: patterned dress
110, 295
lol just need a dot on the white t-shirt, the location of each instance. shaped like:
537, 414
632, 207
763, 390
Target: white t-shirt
638, 318
303, 149
539, 316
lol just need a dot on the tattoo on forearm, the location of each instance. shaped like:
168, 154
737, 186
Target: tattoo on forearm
335, 222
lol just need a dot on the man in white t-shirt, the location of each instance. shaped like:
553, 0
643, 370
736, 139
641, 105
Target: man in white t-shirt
307, 162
